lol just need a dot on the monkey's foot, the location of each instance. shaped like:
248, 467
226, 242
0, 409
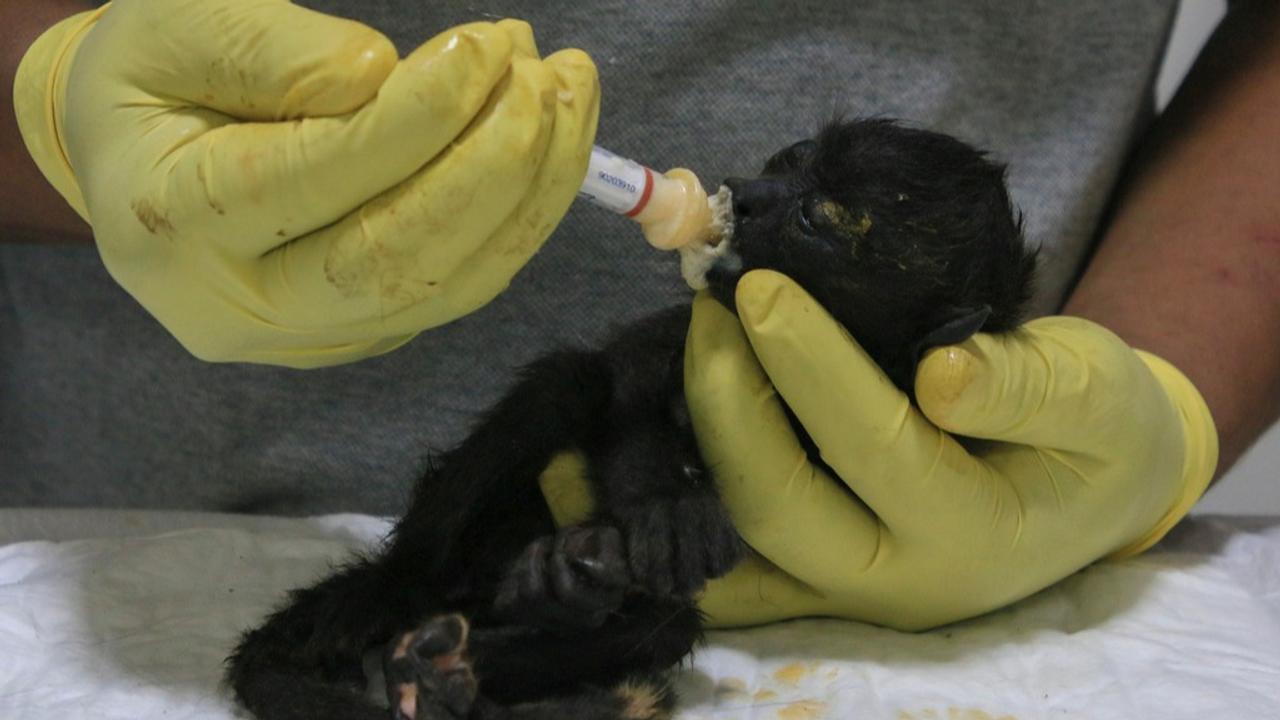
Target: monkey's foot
428, 674
569, 581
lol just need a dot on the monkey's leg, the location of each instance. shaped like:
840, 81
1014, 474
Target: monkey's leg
428, 673
430, 677
304, 662
530, 674
291, 666
645, 636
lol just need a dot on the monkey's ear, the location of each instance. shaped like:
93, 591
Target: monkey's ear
959, 326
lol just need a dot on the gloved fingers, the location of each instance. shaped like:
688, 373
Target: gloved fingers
490, 269
758, 592
565, 488
304, 353
782, 505
480, 276
262, 60
397, 250
899, 464
521, 35
1055, 383
256, 186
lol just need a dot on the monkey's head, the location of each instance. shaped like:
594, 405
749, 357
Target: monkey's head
907, 237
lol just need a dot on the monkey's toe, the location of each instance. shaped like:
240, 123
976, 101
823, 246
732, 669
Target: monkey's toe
428, 674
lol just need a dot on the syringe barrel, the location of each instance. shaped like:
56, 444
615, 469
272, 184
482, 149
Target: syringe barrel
614, 182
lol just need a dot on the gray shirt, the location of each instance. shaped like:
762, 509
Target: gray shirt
99, 407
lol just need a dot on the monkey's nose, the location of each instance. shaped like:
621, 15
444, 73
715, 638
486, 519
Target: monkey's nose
753, 198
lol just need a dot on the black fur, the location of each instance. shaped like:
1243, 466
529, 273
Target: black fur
486, 610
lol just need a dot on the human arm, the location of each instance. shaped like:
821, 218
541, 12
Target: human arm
1189, 268
275, 185
30, 208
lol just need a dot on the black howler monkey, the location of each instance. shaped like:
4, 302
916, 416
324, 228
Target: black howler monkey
486, 610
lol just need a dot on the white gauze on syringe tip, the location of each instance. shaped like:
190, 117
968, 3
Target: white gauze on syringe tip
697, 258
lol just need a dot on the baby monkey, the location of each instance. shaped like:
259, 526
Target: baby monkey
485, 610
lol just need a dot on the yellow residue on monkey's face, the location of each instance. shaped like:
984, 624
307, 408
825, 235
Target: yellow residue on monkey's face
843, 219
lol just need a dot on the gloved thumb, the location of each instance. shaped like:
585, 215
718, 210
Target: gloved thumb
1028, 385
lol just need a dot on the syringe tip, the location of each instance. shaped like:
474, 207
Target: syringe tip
697, 258
680, 214
721, 205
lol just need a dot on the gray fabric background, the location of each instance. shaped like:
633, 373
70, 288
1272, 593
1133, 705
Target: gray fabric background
99, 407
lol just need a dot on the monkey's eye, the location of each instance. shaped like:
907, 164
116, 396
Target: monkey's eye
820, 216
804, 218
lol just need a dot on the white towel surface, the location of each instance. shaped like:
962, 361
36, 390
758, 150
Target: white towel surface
129, 615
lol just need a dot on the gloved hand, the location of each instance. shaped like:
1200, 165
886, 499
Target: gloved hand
274, 186
1097, 450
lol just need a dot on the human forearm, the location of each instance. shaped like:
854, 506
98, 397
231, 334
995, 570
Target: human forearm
1190, 267
29, 206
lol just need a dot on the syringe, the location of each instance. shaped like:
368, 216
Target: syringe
673, 210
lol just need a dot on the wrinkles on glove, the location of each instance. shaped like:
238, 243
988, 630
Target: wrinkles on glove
1076, 448
274, 185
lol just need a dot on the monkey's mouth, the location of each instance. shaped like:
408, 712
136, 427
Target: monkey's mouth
723, 276
696, 261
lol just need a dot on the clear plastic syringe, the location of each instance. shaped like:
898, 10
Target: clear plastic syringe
672, 208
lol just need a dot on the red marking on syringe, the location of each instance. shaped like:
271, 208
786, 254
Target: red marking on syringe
644, 196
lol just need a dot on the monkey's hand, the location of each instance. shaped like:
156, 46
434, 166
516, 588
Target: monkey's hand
274, 185
676, 544
1095, 450
567, 582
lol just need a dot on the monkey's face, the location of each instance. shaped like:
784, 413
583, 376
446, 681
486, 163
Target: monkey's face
906, 237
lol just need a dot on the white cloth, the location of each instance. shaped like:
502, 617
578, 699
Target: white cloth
133, 619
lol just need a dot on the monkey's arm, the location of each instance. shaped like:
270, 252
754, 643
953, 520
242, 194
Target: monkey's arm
652, 485
649, 478
488, 483
1190, 267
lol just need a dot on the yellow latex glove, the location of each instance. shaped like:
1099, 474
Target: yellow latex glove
1097, 451
275, 186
